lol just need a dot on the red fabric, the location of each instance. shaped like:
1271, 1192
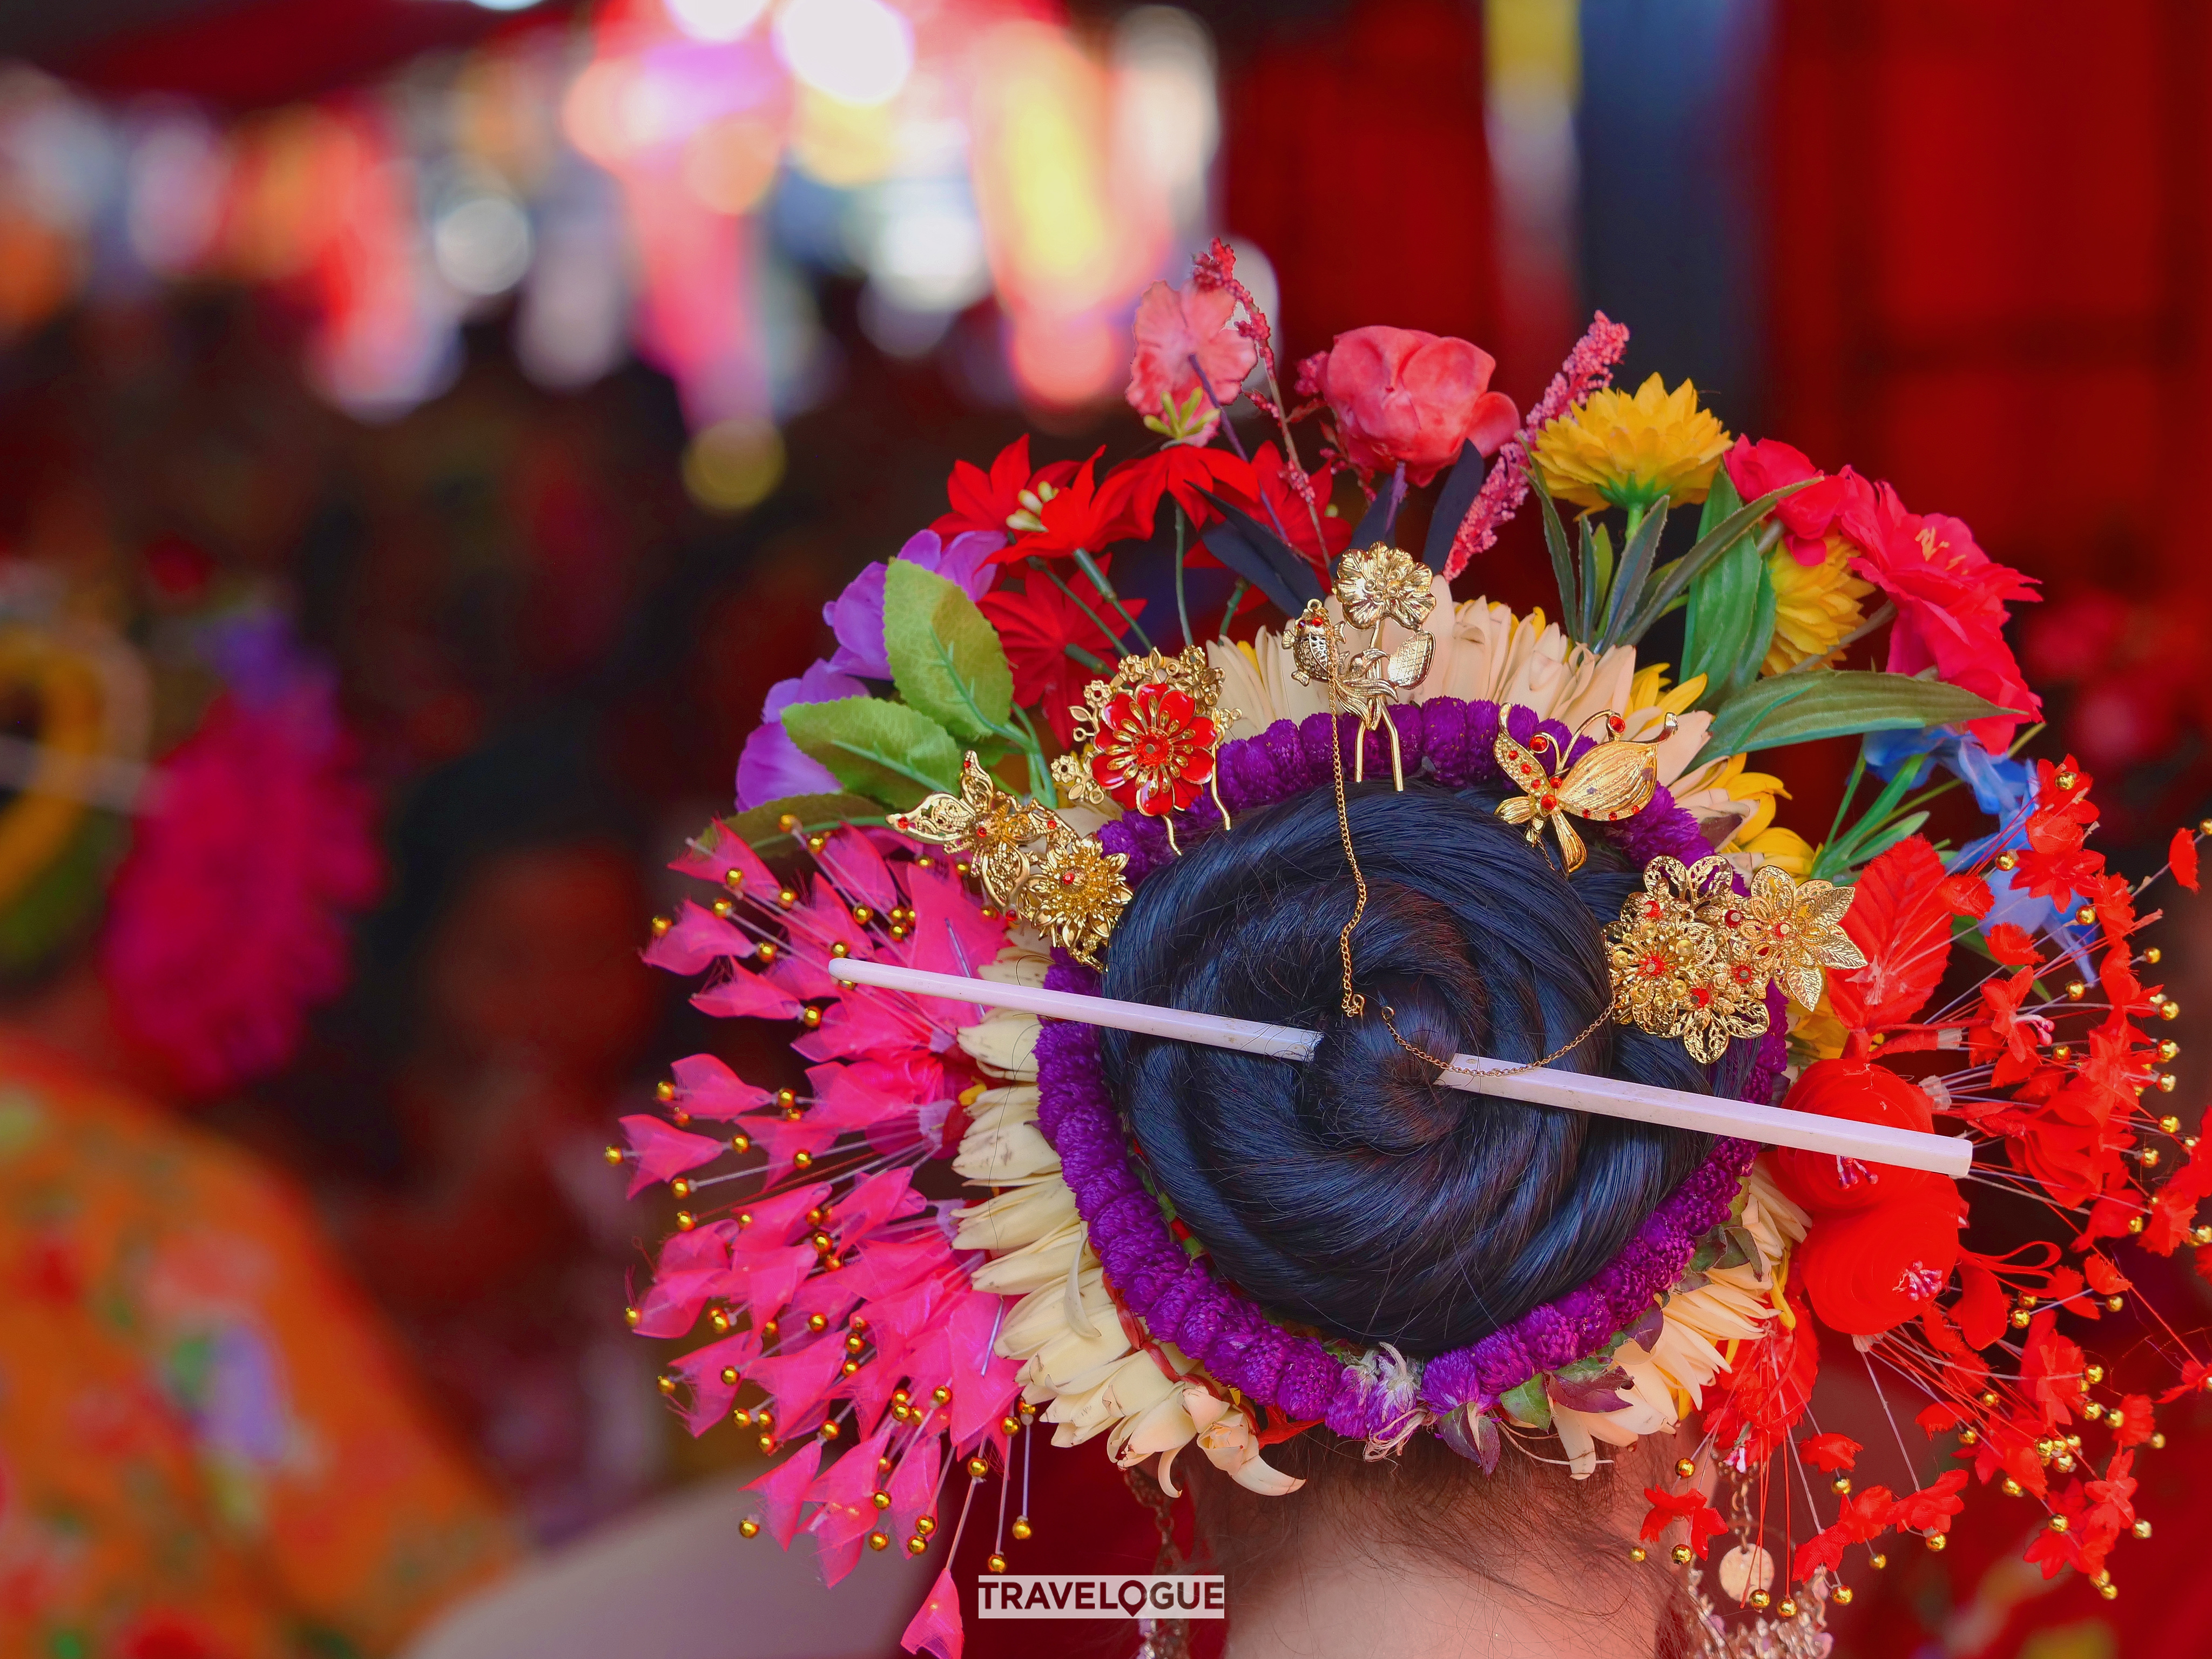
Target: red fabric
1357, 162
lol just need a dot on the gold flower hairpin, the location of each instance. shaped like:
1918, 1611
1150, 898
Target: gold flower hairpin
1372, 587
1692, 958
1148, 738
1028, 858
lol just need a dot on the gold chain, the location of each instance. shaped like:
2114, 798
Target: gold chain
1354, 1003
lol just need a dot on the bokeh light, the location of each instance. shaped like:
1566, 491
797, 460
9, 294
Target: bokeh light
857, 51
733, 465
715, 20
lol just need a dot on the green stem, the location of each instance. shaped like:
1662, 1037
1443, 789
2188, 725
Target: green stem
1089, 566
1076, 599
1850, 788
1040, 768
1078, 654
1235, 597
1183, 607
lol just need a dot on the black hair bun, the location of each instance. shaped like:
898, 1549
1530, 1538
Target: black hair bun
1350, 1192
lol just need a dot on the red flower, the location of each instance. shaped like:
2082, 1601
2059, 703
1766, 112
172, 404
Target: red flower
1852, 1088
1190, 362
1402, 395
1768, 1385
1154, 750
1809, 517
1036, 624
989, 500
1832, 1454
1181, 472
1873, 1269
2182, 855
1667, 1508
1053, 519
1930, 1509
1282, 507
2001, 1035
2050, 1369
2013, 945
1950, 598
2136, 1424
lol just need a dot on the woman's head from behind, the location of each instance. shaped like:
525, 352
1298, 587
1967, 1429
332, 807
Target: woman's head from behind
1353, 1195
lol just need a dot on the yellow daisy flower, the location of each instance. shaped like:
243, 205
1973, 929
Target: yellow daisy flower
1815, 607
1632, 451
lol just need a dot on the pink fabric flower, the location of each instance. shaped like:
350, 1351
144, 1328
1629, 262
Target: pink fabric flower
1400, 395
1807, 517
1181, 332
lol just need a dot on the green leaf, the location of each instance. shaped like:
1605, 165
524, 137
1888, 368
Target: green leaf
946, 657
1528, 1403
764, 825
1562, 562
884, 750
1710, 545
1634, 570
1759, 636
1723, 610
1830, 702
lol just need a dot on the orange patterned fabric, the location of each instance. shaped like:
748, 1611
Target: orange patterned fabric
208, 1449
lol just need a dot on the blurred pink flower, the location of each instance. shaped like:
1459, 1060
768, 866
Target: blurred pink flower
230, 917
1402, 395
1182, 332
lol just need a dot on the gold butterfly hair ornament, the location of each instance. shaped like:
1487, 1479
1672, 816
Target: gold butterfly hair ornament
1615, 779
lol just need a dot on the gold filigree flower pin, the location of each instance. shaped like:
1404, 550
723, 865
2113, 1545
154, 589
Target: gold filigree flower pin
1029, 860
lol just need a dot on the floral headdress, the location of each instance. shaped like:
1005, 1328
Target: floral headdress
874, 1334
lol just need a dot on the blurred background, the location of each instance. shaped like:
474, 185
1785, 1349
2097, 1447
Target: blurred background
445, 419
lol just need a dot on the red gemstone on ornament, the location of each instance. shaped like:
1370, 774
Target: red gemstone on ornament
1550, 802
1653, 966
1700, 996
1652, 909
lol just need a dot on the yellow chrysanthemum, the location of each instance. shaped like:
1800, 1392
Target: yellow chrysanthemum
1815, 607
1632, 451
1760, 788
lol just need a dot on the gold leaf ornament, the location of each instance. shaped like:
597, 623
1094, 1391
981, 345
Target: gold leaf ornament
1792, 930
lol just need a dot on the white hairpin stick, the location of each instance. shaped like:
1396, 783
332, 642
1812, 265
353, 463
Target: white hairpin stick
1873, 1143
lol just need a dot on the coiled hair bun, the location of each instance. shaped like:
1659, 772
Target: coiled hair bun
1350, 1193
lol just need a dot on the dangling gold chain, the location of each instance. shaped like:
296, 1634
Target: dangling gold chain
1354, 1003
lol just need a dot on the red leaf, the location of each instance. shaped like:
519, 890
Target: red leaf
2182, 855
1939, 1418
1900, 922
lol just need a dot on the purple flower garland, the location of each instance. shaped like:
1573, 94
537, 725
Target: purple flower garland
1177, 1297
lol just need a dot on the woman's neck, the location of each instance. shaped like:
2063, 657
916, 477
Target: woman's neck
1348, 1604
